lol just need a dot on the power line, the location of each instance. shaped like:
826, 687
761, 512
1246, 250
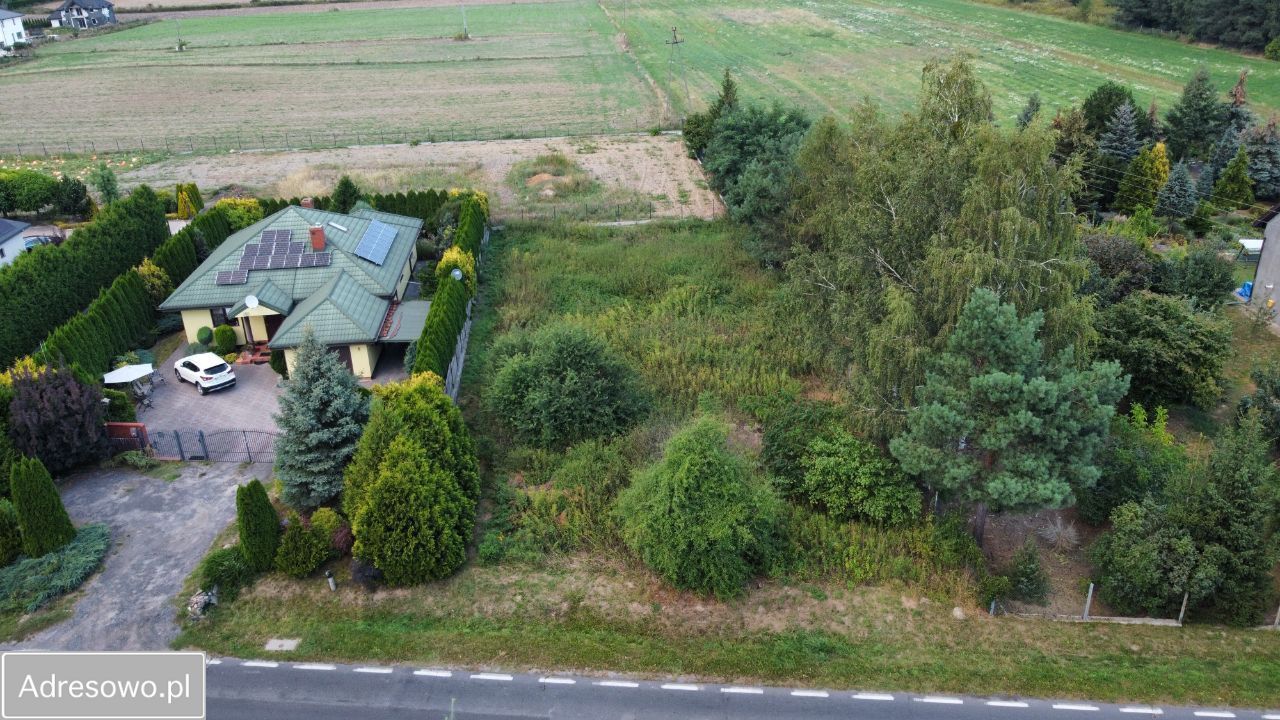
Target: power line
1125, 173
675, 42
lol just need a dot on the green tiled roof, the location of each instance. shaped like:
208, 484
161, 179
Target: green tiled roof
342, 235
269, 296
340, 312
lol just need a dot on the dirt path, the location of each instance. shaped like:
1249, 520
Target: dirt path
653, 166
142, 9
159, 532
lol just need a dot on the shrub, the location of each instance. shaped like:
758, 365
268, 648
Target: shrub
788, 431
1143, 564
445, 320
326, 520
561, 385
302, 549
1265, 397
185, 210
345, 195
1173, 353
279, 364
56, 417
195, 349
1272, 51
226, 570
1202, 275
591, 476
241, 212
1028, 580
224, 339
258, 524
415, 519
42, 518
33, 582
698, 518
156, 280
10, 533
204, 335
457, 258
1140, 457
119, 406
852, 480
1119, 266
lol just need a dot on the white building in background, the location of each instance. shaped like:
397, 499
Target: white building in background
12, 31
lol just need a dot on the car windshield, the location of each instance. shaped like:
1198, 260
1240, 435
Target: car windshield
216, 369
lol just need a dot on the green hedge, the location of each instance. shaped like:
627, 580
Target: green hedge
445, 318
115, 323
471, 221
214, 226
421, 204
47, 287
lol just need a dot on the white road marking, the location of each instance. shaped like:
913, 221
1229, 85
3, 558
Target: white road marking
1007, 703
557, 681
214, 662
618, 683
872, 696
314, 666
1067, 706
434, 673
809, 693
1271, 717
743, 690
375, 670
1214, 713
259, 663
491, 676
940, 700
680, 686
1143, 710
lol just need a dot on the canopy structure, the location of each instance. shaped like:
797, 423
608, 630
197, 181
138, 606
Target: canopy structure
1251, 246
127, 374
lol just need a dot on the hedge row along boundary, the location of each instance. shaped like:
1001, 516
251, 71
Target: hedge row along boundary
41, 290
424, 204
448, 313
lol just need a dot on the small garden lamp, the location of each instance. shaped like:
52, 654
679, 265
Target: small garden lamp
456, 274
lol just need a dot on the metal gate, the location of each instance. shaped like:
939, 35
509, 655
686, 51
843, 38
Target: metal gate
215, 445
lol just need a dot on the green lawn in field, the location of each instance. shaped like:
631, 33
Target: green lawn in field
827, 54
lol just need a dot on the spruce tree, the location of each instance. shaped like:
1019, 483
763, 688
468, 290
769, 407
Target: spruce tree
42, 518
1120, 141
259, 526
1239, 116
1029, 113
345, 196
1142, 181
1196, 119
1234, 188
1262, 144
998, 425
1223, 151
1177, 199
322, 414
1101, 106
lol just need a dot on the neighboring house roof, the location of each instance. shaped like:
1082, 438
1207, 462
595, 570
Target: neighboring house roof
1267, 216
269, 296
10, 228
343, 234
86, 4
340, 312
8, 14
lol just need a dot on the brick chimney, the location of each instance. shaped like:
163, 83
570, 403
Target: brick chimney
308, 203
317, 238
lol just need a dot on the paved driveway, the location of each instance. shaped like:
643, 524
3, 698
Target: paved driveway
159, 532
249, 405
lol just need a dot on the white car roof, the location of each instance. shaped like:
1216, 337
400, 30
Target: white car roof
205, 361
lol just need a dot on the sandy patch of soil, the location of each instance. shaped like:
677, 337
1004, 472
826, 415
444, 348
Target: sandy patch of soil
655, 166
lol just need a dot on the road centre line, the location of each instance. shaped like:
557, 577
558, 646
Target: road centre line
314, 666
809, 693
492, 676
680, 686
1007, 703
743, 690
557, 681
1068, 706
1142, 710
618, 684
259, 663
434, 673
939, 700
374, 670
873, 696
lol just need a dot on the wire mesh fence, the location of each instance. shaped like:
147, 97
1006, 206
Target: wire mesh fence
214, 445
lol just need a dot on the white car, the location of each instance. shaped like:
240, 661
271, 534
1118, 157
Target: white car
206, 371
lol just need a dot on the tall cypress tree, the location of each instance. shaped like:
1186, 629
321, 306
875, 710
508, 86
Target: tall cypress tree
1148, 172
1177, 199
258, 524
1197, 119
1262, 144
322, 414
42, 518
1234, 188
1120, 141
1223, 151
345, 195
1030, 111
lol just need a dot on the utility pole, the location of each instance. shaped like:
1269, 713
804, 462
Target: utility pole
675, 42
466, 35
178, 24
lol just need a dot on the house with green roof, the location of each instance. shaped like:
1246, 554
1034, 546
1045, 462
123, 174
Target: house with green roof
343, 276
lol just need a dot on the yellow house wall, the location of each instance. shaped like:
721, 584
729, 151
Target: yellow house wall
406, 274
256, 322
364, 358
290, 356
193, 320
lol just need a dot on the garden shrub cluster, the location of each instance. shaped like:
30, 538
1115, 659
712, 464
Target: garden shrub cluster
56, 416
447, 315
46, 288
303, 548
42, 519
33, 582
240, 212
224, 339
226, 570
259, 526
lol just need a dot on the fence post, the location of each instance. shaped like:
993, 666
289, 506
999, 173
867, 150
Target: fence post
203, 447
247, 451
1277, 622
1088, 602
992, 611
1183, 612
177, 438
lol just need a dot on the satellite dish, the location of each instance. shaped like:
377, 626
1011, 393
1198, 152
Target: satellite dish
251, 301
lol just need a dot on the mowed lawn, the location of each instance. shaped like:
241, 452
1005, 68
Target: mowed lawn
826, 55
529, 69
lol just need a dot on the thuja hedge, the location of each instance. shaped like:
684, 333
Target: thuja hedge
445, 318
471, 218
44, 288
213, 227
422, 204
115, 322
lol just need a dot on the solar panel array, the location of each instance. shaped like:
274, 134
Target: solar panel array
376, 242
231, 277
277, 235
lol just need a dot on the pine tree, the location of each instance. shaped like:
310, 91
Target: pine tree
345, 196
1120, 141
1262, 144
999, 426
1142, 181
42, 518
322, 413
1196, 119
259, 526
1223, 151
1029, 113
1178, 197
1234, 188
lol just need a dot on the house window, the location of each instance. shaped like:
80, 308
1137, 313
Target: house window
219, 316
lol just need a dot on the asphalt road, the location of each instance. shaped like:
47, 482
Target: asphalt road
251, 690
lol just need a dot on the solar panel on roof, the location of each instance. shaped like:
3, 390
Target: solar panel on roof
376, 242
324, 259
231, 277
296, 247
277, 262
293, 260
251, 249
246, 262
261, 262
